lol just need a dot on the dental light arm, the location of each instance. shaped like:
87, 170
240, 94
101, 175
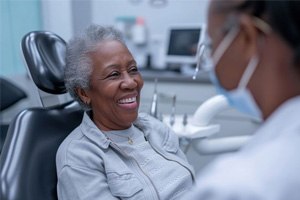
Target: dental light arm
219, 145
199, 129
208, 110
200, 124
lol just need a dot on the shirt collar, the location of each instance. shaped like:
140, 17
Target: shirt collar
91, 131
283, 119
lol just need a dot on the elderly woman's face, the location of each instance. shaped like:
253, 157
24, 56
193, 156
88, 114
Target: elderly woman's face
115, 88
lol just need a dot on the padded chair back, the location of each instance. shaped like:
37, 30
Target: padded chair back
10, 94
27, 161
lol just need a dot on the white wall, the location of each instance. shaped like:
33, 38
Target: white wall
65, 16
57, 17
157, 19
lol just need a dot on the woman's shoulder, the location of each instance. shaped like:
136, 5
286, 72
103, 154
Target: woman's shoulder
75, 148
68, 142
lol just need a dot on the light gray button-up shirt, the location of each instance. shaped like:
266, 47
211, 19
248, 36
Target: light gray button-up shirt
90, 166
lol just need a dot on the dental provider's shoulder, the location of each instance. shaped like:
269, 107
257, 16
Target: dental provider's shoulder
252, 173
227, 179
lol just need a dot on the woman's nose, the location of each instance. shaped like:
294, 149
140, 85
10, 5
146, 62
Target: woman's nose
128, 82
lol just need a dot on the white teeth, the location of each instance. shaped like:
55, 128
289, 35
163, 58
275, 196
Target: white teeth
128, 100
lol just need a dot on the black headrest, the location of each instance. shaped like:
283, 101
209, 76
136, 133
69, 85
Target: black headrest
44, 53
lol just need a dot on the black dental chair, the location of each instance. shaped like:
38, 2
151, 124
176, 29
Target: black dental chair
27, 161
10, 94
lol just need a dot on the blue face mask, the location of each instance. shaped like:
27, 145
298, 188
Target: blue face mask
240, 97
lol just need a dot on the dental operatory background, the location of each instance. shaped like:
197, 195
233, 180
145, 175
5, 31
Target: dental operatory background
152, 29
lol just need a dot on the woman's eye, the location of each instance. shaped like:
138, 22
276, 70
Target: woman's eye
113, 74
133, 69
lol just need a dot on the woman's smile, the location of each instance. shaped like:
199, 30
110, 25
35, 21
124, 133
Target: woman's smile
128, 102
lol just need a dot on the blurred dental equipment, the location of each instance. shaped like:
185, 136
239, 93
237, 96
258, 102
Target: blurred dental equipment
172, 117
199, 128
201, 49
199, 125
153, 108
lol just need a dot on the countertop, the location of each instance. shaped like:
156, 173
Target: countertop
172, 76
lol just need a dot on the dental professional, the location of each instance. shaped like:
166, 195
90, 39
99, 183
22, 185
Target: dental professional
255, 64
115, 153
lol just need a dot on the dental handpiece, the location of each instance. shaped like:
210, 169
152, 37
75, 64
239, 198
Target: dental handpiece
153, 109
172, 117
185, 119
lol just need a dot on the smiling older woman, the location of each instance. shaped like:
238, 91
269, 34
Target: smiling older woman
115, 153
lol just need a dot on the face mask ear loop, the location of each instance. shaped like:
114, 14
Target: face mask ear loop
263, 26
248, 72
224, 45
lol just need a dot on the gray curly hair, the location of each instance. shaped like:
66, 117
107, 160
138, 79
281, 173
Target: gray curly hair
79, 65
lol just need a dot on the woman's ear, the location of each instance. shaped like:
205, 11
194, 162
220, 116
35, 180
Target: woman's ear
250, 35
83, 94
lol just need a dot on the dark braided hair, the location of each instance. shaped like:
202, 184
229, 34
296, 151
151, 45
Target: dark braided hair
282, 15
